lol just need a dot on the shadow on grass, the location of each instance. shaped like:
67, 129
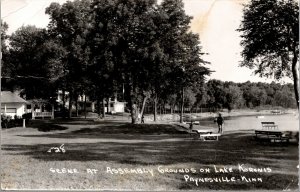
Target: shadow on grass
144, 150
150, 129
45, 125
83, 121
115, 128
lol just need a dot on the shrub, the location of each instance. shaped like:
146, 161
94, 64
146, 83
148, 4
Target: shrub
27, 116
7, 121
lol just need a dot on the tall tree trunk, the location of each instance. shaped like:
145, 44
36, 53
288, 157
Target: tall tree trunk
133, 110
160, 112
155, 108
295, 70
108, 105
191, 118
76, 103
64, 103
70, 104
85, 106
143, 106
134, 113
133, 107
98, 107
103, 108
182, 105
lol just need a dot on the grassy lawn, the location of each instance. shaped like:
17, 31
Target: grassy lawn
106, 145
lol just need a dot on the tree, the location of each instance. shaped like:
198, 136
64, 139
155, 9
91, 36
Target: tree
30, 62
234, 97
4, 38
69, 24
4, 59
217, 93
129, 32
202, 97
101, 39
189, 98
284, 97
271, 39
182, 50
257, 96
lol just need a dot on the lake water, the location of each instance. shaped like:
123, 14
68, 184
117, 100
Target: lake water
285, 122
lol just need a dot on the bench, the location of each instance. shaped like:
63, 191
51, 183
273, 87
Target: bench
210, 136
269, 126
272, 136
197, 133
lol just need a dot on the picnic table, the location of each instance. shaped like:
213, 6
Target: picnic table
270, 132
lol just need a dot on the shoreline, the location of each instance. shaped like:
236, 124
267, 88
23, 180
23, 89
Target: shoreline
210, 115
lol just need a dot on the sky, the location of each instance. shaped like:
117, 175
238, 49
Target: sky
215, 21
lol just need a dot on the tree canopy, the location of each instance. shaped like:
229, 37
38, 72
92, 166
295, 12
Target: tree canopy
270, 32
4, 47
145, 46
69, 24
29, 62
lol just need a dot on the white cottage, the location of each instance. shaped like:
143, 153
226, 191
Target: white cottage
115, 106
12, 104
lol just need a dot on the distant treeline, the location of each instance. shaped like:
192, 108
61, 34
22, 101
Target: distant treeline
231, 95
215, 95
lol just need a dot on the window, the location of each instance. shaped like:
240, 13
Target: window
111, 105
11, 110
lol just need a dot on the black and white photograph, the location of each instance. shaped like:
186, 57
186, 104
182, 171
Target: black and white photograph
149, 95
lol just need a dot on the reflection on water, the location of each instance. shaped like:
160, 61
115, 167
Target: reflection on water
285, 122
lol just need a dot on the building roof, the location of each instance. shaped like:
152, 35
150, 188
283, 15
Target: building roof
9, 97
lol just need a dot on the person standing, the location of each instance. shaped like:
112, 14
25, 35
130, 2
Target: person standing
143, 121
220, 122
